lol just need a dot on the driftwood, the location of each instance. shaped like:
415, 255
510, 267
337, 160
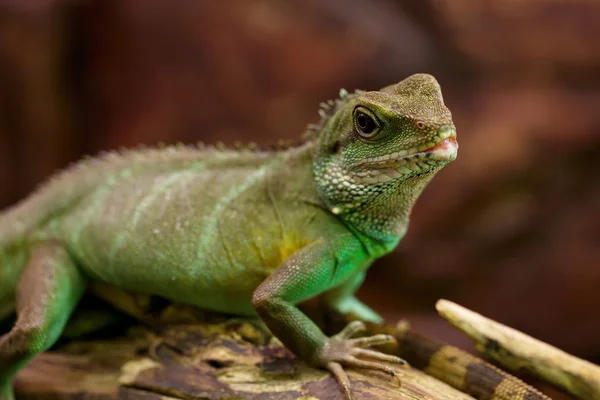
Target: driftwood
227, 359
181, 353
519, 352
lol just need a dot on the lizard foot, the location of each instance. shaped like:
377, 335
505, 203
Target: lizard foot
342, 351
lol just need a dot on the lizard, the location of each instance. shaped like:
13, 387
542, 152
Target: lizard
241, 232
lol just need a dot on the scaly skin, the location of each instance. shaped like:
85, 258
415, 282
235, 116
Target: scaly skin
234, 231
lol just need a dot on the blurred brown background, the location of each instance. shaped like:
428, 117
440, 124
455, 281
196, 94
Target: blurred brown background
511, 229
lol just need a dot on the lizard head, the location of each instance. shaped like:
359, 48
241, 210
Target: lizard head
383, 144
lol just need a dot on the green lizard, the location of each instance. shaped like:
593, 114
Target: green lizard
240, 232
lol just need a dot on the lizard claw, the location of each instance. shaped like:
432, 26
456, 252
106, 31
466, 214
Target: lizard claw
341, 351
341, 377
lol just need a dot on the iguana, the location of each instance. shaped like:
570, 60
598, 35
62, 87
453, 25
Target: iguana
241, 232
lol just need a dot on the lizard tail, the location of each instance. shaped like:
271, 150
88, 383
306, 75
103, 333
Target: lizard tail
15, 223
462, 370
12, 261
52, 199
11, 264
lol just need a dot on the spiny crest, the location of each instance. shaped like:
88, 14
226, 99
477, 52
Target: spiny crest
163, 151
326, 111
176, 152
183, 152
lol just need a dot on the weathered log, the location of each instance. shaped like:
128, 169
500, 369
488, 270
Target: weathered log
232, 359
184, 353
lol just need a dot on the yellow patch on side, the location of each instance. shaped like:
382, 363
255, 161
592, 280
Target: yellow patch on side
283, 249
289, 246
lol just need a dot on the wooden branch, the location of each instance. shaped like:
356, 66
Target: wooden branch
449, 364
212, 360
462, 370
187, 355
517, 351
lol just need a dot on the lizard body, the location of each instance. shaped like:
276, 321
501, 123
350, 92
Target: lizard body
239, 232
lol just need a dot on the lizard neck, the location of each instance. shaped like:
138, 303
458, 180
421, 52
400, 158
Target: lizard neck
375, 211
386, 215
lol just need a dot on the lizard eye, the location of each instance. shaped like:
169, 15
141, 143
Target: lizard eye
365, 124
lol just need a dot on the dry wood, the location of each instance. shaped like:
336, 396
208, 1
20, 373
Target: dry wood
213, 360
517, 351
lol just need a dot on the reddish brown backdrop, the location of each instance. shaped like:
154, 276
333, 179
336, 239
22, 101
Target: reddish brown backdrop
511, 229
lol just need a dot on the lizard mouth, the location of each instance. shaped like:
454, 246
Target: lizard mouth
445, 149
414, 161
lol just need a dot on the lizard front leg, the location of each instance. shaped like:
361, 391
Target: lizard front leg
342, 300
305, 274
48, 291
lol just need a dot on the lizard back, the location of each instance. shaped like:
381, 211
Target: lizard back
127, 185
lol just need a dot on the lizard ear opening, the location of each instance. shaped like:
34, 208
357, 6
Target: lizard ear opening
337, 148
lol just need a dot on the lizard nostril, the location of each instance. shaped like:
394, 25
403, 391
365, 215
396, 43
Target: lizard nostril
447, 131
